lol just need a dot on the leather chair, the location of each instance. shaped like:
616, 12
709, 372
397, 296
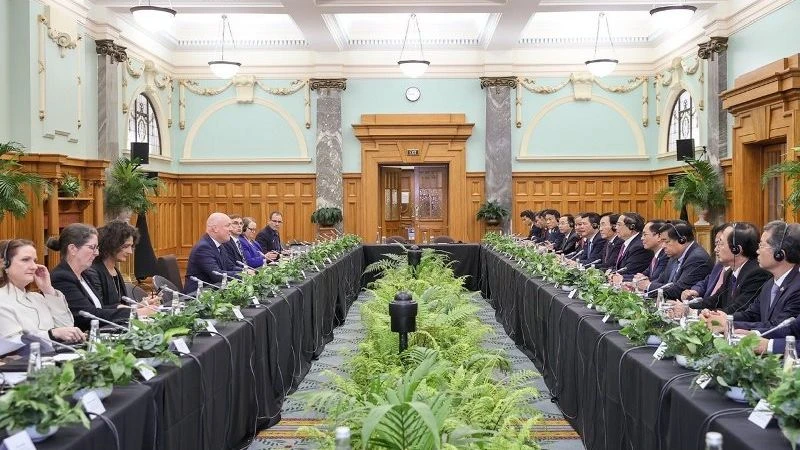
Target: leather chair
443, 240
168, 268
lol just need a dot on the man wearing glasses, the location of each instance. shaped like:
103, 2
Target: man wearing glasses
269, 239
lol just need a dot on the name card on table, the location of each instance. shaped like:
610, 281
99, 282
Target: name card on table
762, 414
145, 372
606, 318
238, 313
92, 403
572, 293
660, 351
181, 347
255, 300
703, 380
19, 441
210, 327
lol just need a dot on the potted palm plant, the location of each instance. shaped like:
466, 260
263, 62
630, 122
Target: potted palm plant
327, 217
128, 190
70, 186
13, 181
701, 186
492, 213
790, 169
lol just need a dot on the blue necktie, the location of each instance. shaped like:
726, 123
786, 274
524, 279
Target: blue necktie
773, 295
674, 273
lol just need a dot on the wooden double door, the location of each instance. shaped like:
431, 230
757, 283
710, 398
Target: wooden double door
414, 203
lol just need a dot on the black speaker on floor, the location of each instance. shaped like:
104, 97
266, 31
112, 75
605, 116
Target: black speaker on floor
685, 149
140, 151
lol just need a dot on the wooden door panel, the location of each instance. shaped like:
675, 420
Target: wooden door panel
431, 202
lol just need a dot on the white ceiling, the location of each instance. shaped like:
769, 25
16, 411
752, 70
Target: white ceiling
553, 28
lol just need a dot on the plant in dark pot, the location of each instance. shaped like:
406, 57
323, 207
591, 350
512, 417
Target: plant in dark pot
128, 190
13, 181
327, 217
70, 186
39, 406
492, 213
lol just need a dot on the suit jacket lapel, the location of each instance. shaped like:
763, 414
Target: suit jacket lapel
780, 297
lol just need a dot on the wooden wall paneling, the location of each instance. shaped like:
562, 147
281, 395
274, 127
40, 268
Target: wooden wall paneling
352, 206
476, 195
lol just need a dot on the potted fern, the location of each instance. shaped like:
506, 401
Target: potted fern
128, 190
700, 186
13, 181
327, 217
492, 213
790, 169
70, 186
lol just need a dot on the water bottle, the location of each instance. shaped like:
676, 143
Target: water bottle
93, 333
660, 301
713, 441
131, 317
34, 358
343, 438
424, 236
790, 354
729, 332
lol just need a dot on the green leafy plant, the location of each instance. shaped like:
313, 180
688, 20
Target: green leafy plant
791, 170
129, 188
106, 366
695, 341
784, 401
172, 325
700, 185
739, 366
40, 401
492, 212
13, 180
70, 186
211, 305
644, 324
327, 217
145, 343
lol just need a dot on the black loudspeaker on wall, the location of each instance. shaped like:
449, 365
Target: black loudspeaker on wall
685, 149
140, 150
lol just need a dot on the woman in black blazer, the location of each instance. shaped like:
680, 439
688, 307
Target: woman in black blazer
78, 246
116, 241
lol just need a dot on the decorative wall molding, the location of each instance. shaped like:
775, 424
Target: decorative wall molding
107, 47
499, 81
65, 40
716, 44
153, 79
163, 124
327, 83
678, 68
636, 131
208, 112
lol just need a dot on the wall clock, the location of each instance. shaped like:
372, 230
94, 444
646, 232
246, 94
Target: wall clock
413, 94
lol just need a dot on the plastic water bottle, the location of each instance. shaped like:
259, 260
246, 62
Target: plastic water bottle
729, 332
94, 330
660, 302
35, 357
343, 438
790, 354
713, 441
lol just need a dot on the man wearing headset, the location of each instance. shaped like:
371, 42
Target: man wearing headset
736, 249
608, 230
632, 257
689, 262
594, 245
779, 299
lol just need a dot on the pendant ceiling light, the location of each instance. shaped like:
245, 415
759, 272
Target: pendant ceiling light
153, 18
601, 67
222, 68
413, 67
673, 16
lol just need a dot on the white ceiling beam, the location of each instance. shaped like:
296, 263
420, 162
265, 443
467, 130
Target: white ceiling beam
509, 28
311, 23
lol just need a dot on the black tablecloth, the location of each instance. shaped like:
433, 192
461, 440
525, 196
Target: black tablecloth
233, 383
466, 257
615, 395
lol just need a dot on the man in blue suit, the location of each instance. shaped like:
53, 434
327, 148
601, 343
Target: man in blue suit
594, 244
206, 257
779, 299
689, 262
651, 240
633, 257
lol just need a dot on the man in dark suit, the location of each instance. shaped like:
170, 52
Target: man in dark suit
206, 256
528, 218
594, 245
566, 225
633, 257
608, 230
651, 240
269, 238
779, 299
232, 251
689, 262
553, 235
733, 290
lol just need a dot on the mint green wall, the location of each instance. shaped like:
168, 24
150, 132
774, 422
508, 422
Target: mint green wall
5, 71
19, 76
769, 39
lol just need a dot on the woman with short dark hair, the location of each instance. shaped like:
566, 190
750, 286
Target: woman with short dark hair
79, 246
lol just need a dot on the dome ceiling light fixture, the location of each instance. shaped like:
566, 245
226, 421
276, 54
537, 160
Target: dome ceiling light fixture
153, 18
222, 68
671, 17
413, 68
600, 67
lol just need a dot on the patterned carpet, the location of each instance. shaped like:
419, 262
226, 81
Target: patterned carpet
553, 433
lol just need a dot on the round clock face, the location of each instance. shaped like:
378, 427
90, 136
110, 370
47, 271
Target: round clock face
413, 94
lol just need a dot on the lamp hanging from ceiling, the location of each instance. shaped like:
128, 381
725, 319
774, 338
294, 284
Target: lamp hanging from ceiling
601, 67
413, 67
153, 18
673, 16
222, 68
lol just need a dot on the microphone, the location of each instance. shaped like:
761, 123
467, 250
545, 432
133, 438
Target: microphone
179, 294
660, 287
591, 264
779, 326
695, 301
201, 283
618, 270
224, 276
30, 336
89, 315
131, 301
245, 266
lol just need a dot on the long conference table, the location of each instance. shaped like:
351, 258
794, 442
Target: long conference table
614, 394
